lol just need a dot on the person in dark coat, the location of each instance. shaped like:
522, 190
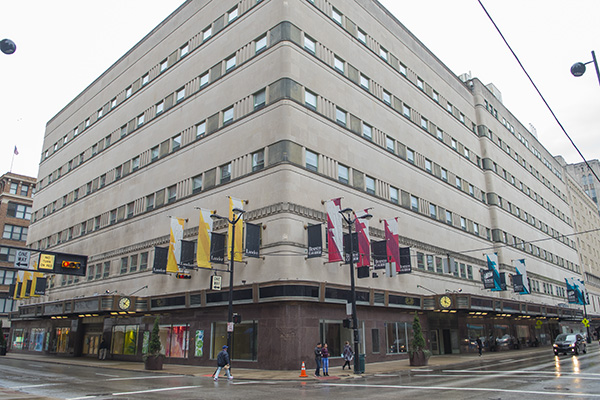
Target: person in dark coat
479, 346
223, 363
348, 355
325, 356
103, 350
318, 359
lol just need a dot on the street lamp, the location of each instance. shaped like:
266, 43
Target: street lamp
578, 68
350, 218
7, 46
237, 214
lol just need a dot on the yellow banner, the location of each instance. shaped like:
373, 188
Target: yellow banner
204, 230
175, 244
239, 229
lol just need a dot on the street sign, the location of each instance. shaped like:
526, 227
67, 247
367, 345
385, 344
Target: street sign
46, 261
586, 322
215, 282
22, 259
230, 327
538, 324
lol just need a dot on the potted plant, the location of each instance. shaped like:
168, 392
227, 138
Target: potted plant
2, 342
153, 360
418, 354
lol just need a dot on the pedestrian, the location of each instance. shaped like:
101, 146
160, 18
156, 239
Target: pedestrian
318, 359
223, 363
103, 349
325, 355
348, 355
479, 346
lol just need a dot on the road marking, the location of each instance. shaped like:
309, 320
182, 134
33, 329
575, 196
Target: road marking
35, 386
146, 377
517, 372
386, 375
112, 376
157, 390
495, 390
254, 383
497, 374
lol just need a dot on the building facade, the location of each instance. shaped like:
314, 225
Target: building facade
16, 201
585, 178
287, 105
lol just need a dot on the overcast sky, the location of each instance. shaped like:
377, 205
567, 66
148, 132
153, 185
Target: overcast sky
63, 45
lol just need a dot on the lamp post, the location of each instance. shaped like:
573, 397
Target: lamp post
350, 218
237, 214
578, 68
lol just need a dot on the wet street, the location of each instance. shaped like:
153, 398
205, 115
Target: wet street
520, 376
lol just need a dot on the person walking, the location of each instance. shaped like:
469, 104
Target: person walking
318, 359
479, 346
223, 363
348, 355
325, 355
103, 349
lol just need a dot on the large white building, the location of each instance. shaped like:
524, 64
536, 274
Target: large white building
287, 104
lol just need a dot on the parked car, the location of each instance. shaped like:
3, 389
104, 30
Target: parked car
569, 343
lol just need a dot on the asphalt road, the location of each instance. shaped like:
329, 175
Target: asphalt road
535, 376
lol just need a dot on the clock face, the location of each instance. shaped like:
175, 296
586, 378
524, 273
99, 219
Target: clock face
445, 301
124, 303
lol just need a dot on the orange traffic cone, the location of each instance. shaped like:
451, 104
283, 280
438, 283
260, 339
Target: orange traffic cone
303, 372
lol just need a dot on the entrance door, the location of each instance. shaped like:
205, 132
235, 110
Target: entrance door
447, 341
435, 346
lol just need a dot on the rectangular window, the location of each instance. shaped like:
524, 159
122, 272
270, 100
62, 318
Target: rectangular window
123, 130
87, 123
13, 232
143, 261
225, 173
135, 163
163, 65
200, 129
370, 184
364, 81
398, 337
449, 108
390, 144
458, 182
387, 98
207, 33
230, 63
383, 53
140, 120
106, 272
454, 144
232, 14
180, 95
467, 153
128, 92
113, 103
476, 228
97, 222
410, 155
430, 266
449, 217
133, 260
433, 211
204, 79
149, 202
160, 107
338, 64
436, 96
343, 174
175, 142
406, 110
463, 223
402, 68
100, 113
184, 50
440, 134
130, 209
420, 84
310, 99
362, 36
312, 161
260, 99
414, 203
336, 15
340, 116
428, 165
258, 160
171, 193
197, 184
471, 190
145, 79
424, 123
228, 115
367, 131
310, 44
261, 44
394, 194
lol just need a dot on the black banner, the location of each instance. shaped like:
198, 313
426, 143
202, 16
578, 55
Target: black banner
161, 255
503, 280
187, 252
315, 241
19, 288
40, 286
217, 248
572, 296
355, 249
363, 272
252, 240
405, 263
379, 254
488, 279
28, 288
517, 283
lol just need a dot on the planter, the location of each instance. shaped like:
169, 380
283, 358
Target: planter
2, 350
418, 358
154, 363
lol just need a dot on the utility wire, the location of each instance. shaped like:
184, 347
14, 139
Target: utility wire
538, 91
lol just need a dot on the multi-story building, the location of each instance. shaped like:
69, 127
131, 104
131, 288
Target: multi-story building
582, 175
287, 105
16, 200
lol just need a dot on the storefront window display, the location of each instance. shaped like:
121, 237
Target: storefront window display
37, 339
335, 335
177, 343
124, 339
243, 340
474, 331
91, 344
398, 337
17, 342
62, 340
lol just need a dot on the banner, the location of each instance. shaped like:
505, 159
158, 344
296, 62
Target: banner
487, 277
405, 262
364, 247
335, 238
347, 248
174, 258
217, 248
492, 263
40, 286
392, 242
315, 241
575, 291
203, 246
252, 240
518, 283
522, 272
379, 254
161, 255
239, 229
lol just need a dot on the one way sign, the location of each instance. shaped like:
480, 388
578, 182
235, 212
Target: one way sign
22, 259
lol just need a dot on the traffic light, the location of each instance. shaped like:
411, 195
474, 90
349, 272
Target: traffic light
71, 264
183, 276
237, 318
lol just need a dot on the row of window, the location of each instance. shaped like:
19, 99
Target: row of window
182, 51
20, 211
21, 189
14, 232
431, 263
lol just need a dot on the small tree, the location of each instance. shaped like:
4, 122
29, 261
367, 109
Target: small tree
154, 345
418, 343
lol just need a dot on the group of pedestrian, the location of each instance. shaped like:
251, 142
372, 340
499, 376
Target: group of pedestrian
322, 358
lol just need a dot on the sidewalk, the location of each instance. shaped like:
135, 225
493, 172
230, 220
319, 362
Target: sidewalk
437, 362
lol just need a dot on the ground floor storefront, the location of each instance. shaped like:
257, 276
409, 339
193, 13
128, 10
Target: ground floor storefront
281, 325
